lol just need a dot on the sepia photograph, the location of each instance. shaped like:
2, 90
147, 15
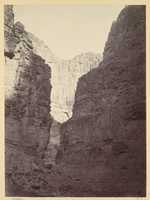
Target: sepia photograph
75, 100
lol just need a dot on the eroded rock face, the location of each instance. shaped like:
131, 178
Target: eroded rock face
103, 144
27, 101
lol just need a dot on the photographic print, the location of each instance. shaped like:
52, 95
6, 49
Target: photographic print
75, 100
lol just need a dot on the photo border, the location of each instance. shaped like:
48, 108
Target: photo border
2, 75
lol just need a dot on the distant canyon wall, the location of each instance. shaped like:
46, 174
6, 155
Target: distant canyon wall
65, 74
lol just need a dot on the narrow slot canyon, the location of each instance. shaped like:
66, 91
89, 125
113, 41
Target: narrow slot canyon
76, 127
63, 95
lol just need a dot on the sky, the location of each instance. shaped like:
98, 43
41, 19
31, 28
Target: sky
69, 30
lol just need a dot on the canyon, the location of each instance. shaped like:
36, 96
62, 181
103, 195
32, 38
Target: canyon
76, 128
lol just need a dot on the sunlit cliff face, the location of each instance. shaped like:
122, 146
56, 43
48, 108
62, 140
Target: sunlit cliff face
65, 75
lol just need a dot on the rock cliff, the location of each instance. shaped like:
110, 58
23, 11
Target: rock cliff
103, 144
27, 101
